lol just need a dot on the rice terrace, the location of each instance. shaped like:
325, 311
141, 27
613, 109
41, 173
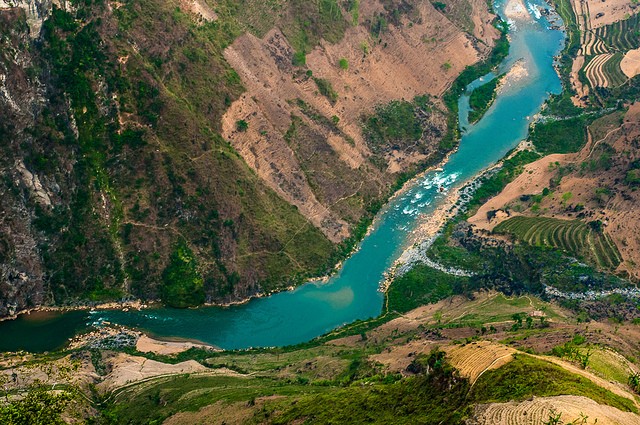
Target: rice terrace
572, 236
606, 46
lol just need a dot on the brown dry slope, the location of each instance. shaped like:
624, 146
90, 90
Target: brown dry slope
310, 149
607, 12
630, 64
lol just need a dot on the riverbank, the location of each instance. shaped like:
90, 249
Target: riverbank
112, 305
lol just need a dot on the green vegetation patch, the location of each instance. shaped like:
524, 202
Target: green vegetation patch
399, 125
183, 285
612, 70
326, 89
155, 402
436, 395
304, 23
560, 136
393, 122
482, 98
423, 285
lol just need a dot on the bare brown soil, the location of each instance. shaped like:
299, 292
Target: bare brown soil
582, 91
423, 57
613, 10
630, 64
533, 179
76, 370
125, 369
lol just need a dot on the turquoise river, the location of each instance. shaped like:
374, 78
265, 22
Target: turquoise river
352, 293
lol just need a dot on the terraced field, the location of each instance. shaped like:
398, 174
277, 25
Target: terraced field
604, 70
571, 236
593, 44
475, 358
622, 35
594, 70
539, 410
604, 48
612, 71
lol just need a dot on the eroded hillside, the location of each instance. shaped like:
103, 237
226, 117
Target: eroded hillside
305, 133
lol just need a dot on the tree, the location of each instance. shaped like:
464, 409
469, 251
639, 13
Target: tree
439, 5
344, 64
242, 125
634, 382
529, 322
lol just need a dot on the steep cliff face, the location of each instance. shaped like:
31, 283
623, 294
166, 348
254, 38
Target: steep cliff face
130, 153
21, 99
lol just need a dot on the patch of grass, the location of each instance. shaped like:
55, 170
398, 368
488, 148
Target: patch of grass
423, 285
326, 89
607, 364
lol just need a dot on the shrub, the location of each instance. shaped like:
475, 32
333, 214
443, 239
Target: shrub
242, 125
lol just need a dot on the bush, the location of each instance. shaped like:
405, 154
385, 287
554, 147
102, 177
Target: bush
242, 125
326, 89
